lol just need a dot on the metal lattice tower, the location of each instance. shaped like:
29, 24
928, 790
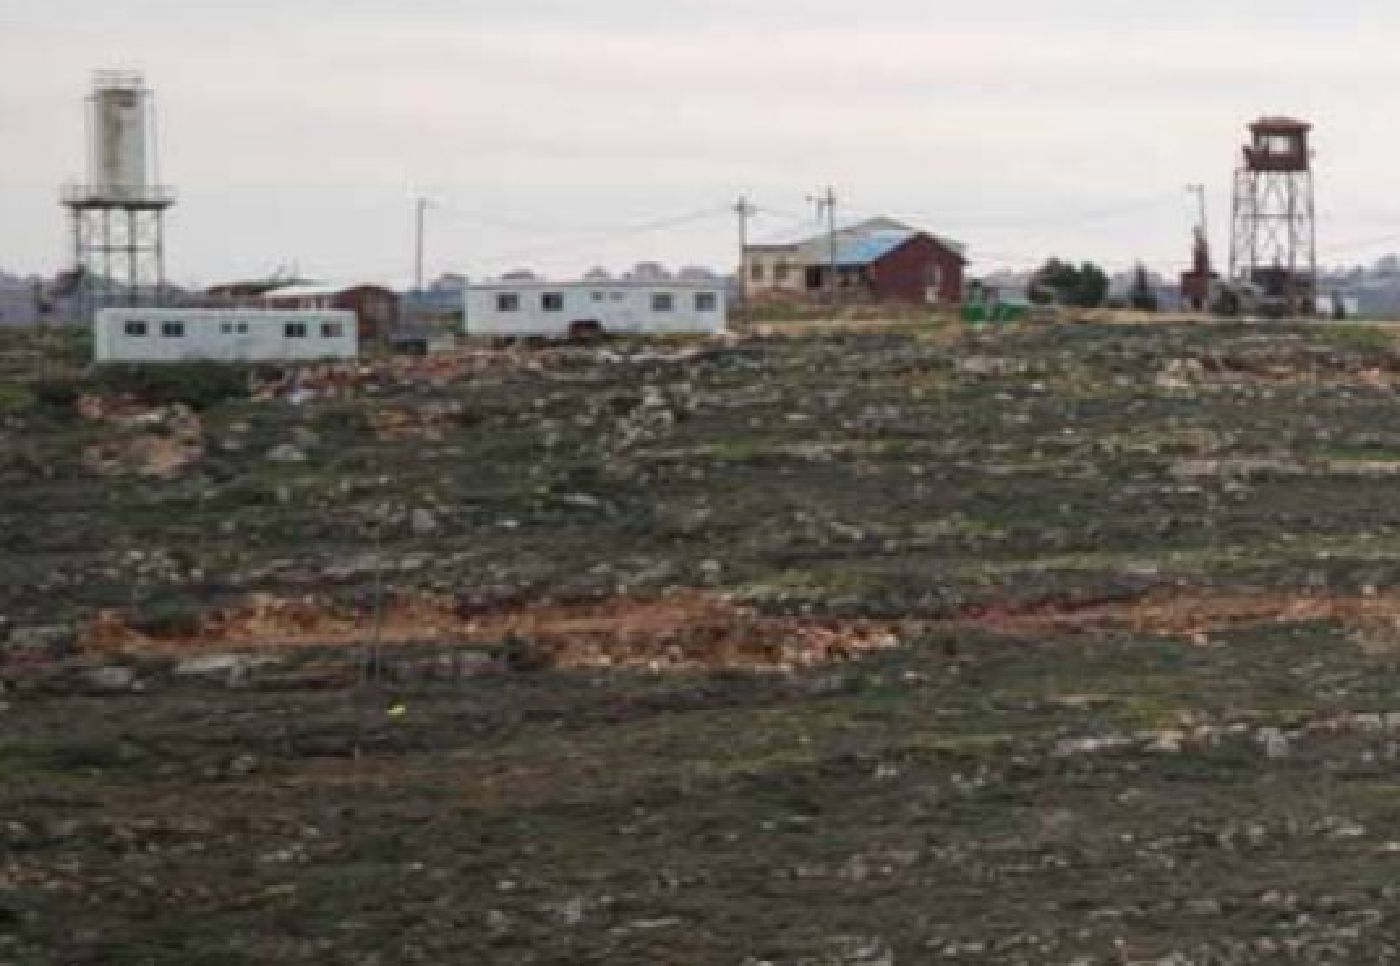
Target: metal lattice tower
1274, 242
118, 212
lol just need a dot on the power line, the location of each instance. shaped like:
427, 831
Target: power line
580, 238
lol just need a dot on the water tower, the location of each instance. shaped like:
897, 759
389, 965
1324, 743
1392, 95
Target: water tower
1274, 247
118, 211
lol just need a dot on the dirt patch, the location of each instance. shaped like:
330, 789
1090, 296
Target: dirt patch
1373, 619
1299, 367
686, 631
155, 441
428, 422
696, 630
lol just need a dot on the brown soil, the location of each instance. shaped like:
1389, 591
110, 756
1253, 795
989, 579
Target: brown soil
158, 442
685, 631
1375, 619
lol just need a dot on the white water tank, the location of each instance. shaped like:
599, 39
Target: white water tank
119, 123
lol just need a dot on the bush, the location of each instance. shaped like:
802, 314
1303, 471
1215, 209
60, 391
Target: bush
15, 399
198, 385
170, 617
343, 421
59, 394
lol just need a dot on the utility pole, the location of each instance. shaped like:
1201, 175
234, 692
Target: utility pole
1199, 190
420, 208
745, 211
826, 204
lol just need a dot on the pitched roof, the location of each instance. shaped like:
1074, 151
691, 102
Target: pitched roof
865, 249
859, 243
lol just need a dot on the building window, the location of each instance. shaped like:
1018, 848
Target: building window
780, 272
616, 296
552, 301
294, 330
226, 328
706, 301
507, 301
243, 328
332, 330
134, 328
599, 296
662, 301
172, 330
756, 271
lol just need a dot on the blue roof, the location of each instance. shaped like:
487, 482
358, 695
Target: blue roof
869, 248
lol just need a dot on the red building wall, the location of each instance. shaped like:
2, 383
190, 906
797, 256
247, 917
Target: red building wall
903, 275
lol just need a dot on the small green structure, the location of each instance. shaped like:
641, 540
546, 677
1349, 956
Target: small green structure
995, 313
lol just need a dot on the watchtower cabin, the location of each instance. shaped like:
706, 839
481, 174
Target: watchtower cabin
1274, 243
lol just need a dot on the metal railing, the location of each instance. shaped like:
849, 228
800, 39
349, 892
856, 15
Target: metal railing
117, 195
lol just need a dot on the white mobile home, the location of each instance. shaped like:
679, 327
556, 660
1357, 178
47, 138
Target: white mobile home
223, 335
530, 307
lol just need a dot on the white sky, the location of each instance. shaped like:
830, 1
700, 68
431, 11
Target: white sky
295, 130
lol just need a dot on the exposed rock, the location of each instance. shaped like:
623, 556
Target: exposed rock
109, 678
1274, 742
423, 522
286, 453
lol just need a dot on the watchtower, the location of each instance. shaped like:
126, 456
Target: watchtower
1274, 243
118, 210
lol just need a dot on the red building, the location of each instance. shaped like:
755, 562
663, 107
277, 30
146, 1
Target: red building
376, 307
880, 260
920, 269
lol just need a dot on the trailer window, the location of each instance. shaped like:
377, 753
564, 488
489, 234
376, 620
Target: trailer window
332, 330
507, 301
706, 301
243, 328
662, 301
226, 328
172, 330
294, 330
134, 328
599, 296
552, 301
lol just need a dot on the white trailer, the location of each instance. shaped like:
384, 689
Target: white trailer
616, 307
223, 335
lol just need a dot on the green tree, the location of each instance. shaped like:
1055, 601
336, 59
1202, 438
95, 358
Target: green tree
1143, 296
1062, 283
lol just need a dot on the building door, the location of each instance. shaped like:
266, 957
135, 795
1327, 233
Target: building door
933, 279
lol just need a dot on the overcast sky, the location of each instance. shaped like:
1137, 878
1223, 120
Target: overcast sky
559, 134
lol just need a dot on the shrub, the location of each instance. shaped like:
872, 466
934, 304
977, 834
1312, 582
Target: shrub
57, 394
15, 398
196, 384
171, 617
